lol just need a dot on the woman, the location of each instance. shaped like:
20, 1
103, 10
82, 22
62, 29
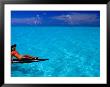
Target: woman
18, 56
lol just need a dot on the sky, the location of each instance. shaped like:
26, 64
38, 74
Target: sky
56, 18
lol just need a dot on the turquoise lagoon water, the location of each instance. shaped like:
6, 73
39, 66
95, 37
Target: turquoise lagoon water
72, 51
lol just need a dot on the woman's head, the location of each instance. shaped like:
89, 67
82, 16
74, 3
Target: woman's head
13, 47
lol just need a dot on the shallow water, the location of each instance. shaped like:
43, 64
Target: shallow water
72, 51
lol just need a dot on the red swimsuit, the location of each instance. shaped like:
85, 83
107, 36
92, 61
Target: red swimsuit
16, 54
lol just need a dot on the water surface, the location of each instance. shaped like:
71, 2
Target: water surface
72, 51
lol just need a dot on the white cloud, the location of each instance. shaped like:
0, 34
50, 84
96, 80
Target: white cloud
76, 18
32, 20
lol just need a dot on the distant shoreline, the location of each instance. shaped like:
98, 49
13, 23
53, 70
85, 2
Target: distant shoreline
48, 26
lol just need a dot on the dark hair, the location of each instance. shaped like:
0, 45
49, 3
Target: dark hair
12, 46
